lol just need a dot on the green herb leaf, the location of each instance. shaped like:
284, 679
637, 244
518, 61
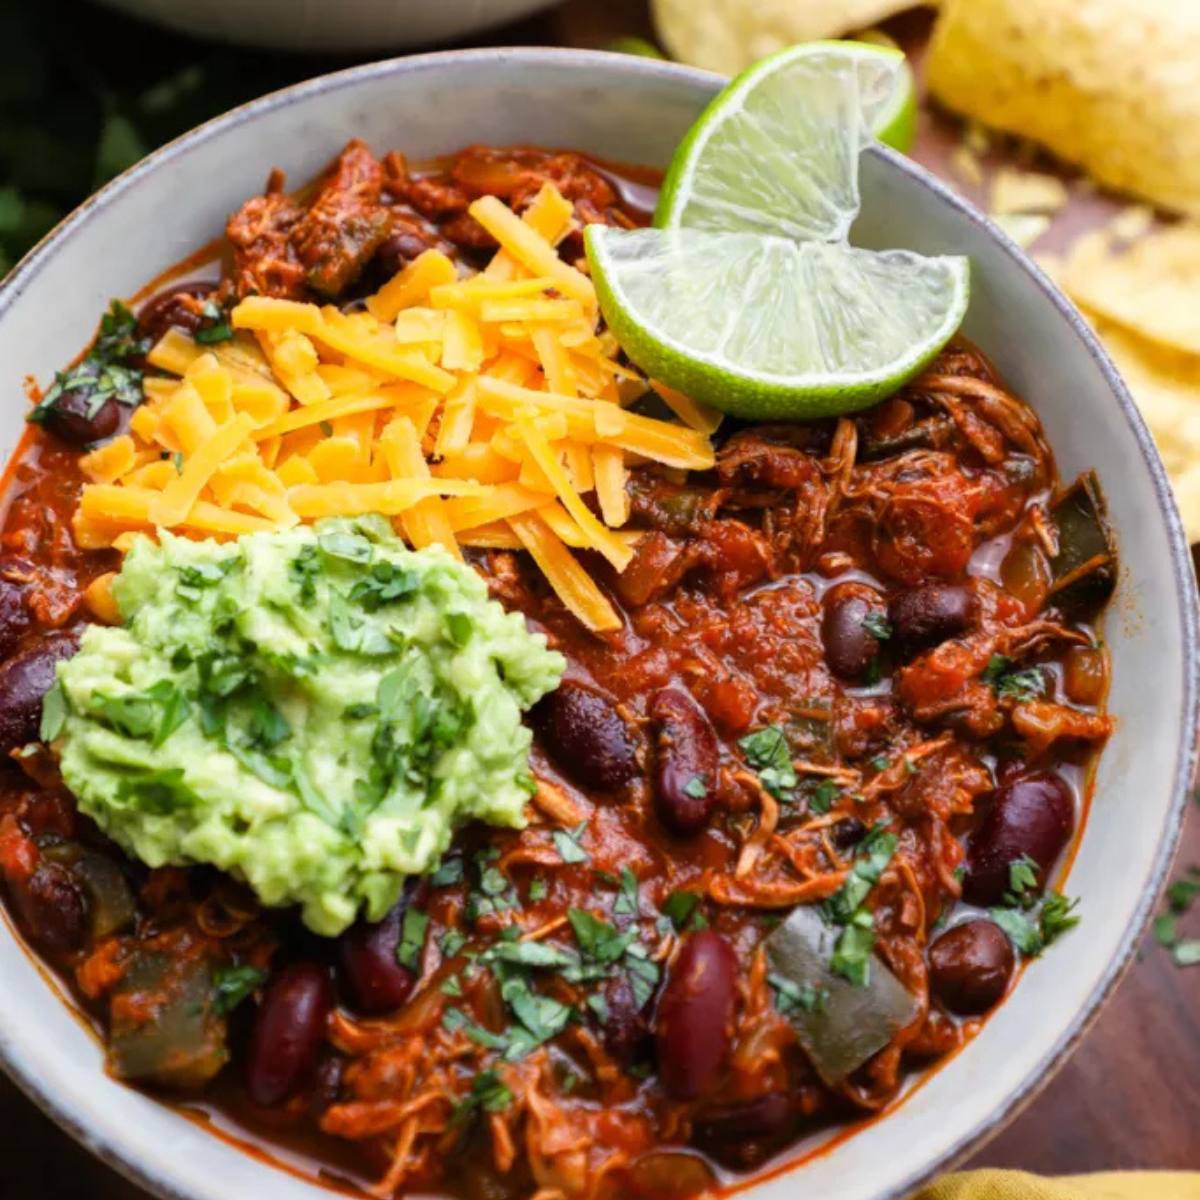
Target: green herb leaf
351, 547
767, 751
822, 796
679, 906
790, 996
412, 938
567, 844
852, 955
627, 902
1022, 930
878, 626
231, 985
696, 787
450, 872
1187, 954
1022, 878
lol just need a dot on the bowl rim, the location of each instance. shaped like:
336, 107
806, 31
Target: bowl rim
1183, 574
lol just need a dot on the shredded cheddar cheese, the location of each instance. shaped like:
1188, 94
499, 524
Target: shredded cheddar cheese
475, 411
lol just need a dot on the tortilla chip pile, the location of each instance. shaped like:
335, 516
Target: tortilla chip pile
1111, 85
1144, 299
729, 35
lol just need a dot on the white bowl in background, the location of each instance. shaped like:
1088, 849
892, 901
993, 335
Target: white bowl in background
331, 26
635, 110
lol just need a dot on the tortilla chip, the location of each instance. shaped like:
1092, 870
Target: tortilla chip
1023, 228
1112, 85
1166, 385
728, 35
1016, 191
1152, 287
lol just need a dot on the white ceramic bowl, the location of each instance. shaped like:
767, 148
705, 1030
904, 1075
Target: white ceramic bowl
331, 26
635, 110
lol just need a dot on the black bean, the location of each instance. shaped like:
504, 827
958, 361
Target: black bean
927, 616
15, 618
586, 736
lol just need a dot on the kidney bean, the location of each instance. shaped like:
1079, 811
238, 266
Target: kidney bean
376, 981
53, 908
970, 966
625, 1029
287, 1033
927, 616
695, 1013
24, 680
586, 736
725, 1125
850, 646
14, 614
75, 419
1031, 815
685, 761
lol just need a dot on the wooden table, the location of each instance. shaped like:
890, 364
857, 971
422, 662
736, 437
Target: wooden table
1130, 1095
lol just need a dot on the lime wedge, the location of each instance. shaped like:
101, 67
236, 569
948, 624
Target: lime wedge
764, 327
777, 150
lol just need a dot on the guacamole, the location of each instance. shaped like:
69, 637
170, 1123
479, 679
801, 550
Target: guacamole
315, 711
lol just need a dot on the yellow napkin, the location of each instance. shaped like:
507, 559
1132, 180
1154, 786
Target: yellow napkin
1020, 1185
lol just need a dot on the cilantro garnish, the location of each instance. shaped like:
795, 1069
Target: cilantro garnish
105, 372
1032, 932
231, 985
1025, 684
566, 842
790, 996
152, 715
412, 938
846, 907
822, 796
682, 908
696, 788
1022, 881
487, 1092
1181, 894
450, 872
878, 626
767, 751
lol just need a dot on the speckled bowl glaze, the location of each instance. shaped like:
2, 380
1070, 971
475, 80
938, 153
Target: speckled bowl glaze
635, 110
331, 26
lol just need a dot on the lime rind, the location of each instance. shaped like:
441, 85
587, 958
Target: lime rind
763, 327
776, 152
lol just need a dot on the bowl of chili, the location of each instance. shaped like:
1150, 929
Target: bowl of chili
950, 489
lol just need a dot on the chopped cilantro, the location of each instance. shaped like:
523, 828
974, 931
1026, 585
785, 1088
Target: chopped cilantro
152, 715
856, 942
385, 583
790, 996
231, 985
598, 940
852, 954
566, 842
487, 1092
412, 937
627, 902
1025, 684
451, 986
351, 547
822, 796
220, 331
681, 906
696, 787
1032, 932
599, 1006
878, 626
452, 942
537, 889
1187, 954
1022, 879
767, 751
450, 872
